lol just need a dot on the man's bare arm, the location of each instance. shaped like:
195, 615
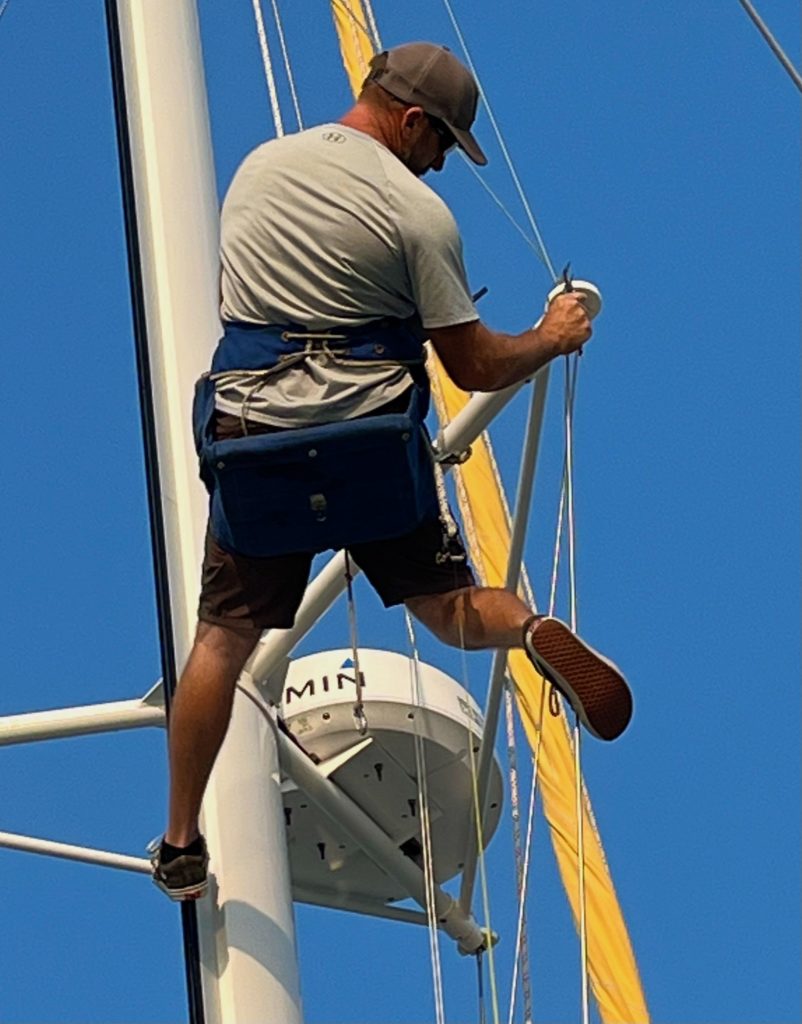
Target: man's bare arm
480, 359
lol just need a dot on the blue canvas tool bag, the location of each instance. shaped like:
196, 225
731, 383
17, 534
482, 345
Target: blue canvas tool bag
327, 486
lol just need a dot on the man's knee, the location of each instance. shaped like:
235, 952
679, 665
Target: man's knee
229, 644
444, 614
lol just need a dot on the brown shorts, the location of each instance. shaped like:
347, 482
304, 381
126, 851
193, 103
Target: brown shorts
246, 593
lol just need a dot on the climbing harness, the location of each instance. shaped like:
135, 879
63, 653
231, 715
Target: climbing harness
326, 486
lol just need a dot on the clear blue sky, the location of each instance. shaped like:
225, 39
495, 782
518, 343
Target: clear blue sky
659, 146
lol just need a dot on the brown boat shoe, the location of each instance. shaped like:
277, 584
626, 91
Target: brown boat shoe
593, 685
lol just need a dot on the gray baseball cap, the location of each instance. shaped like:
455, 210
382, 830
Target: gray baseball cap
431, 77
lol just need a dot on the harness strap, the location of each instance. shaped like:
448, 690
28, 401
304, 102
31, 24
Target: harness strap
250, 346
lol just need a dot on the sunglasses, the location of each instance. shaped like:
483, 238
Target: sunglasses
444, 134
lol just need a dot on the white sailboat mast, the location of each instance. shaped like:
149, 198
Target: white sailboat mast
245, 930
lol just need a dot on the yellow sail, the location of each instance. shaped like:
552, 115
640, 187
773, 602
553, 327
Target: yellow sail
611, 963
356, 47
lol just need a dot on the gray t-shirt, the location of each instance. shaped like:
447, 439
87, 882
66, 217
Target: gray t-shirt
327, 228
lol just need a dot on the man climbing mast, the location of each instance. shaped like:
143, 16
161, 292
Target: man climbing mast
337, 261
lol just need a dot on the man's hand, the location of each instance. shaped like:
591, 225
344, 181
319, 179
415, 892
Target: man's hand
479, 359
565, 326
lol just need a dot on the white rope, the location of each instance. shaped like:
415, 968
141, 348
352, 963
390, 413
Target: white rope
502, 144
425, 822
450, 529
479, 833
529, 596
580, 846
571, 371
287, 67
521, 950
268, 67
566, 511
555, 561
375, 38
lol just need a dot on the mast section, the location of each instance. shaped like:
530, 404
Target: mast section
240, 940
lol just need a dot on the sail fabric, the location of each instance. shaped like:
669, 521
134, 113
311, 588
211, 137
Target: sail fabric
351, 22
612, 968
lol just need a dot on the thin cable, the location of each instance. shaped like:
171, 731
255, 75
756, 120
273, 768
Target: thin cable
477, 812
775, 46
480, 987
356, 26
3, 6
571, 371
580, 847
507, 213
502, 144
355, 22
268, 68
375, 38
521, 945
521, 949
287, 68
555, 561
566, 511
479, 831
359, 706
425, 823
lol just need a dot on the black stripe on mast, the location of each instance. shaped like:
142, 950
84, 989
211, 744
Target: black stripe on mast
189, 920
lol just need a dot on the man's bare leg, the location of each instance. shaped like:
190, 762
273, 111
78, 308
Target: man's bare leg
482, 617
473, 617
199, 719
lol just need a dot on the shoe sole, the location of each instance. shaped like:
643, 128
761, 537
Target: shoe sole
187, 892
594, 687
179, 893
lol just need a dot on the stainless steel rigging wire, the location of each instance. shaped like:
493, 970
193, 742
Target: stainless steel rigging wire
502, 144
287, 67
424, 817
571, 371
774, 45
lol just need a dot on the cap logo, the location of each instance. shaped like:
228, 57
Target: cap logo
334, 137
